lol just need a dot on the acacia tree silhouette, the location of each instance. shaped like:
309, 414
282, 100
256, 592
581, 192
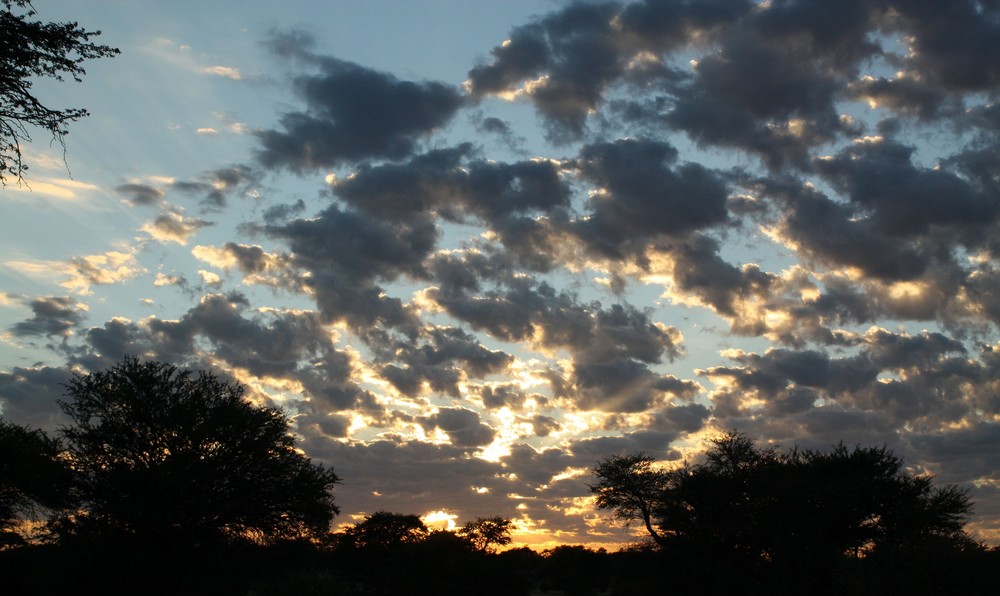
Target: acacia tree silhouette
629, 486
486, 534
798, 509
181, 457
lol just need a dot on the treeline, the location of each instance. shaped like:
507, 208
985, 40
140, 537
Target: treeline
167, 481
441, 563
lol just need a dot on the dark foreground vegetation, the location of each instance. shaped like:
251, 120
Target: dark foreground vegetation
170, 482
441, 564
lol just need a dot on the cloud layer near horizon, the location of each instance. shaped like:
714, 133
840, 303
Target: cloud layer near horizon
780, 217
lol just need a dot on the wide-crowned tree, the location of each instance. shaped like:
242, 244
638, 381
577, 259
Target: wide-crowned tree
385, 529
486, 534
184, 457
801, 510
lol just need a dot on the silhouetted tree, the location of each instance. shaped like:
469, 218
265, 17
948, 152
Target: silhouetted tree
486, 534
630, 486
179, 456
34, 479
31, 49
383, 529
803, 512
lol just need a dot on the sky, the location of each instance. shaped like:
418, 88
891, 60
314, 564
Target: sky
473, 248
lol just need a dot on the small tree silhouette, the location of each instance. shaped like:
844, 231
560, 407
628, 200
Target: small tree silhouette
486, 534
630, 486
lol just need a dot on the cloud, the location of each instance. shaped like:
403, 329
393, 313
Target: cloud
903, 200
53, 315
562, 63
637, 196
345, 253
173, 226
353, 113
926, 382
83, 272
449, 357
28, 396
223, 71
214, 186
140, 194
292, 349
611, 348
462, 427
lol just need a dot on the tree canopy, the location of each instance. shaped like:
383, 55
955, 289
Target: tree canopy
798, 509
164, 452
31, 49
485, 534
34, 479
385, 529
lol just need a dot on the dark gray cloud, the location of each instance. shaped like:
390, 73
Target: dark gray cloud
448, 182
502, 129
902, 95
612, 348
699, 269
219, 184
904, 200
290, 345
830, 233
415, 476
29, 396
213, 186
769, 77
952, 45
346, 252
53, 315
895, 380
758, 97
352, 113
639, 196
448, 357
574, 47
461, 425
140, 194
